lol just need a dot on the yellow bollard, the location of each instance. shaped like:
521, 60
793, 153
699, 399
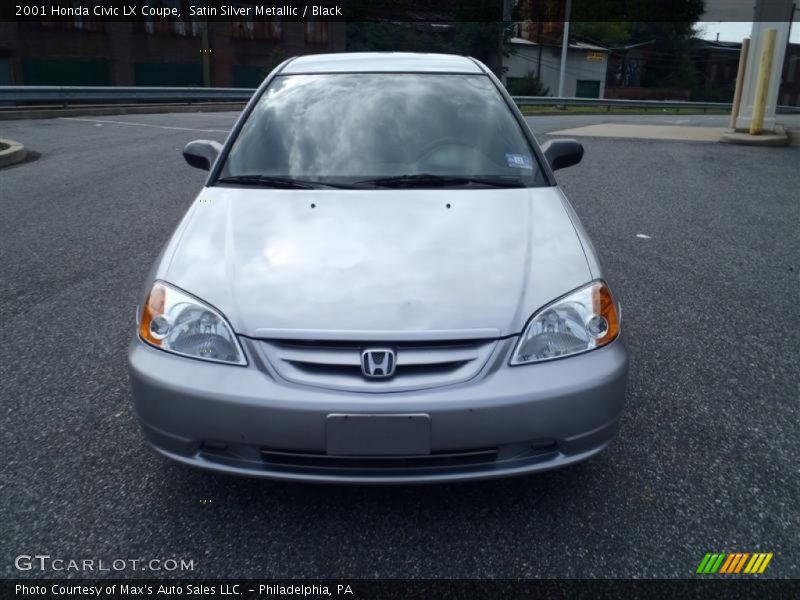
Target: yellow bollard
762, 83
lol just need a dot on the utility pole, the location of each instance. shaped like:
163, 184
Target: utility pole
539, 36
564, 47
501, 42
205, 51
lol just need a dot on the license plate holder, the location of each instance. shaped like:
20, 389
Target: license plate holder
378, 434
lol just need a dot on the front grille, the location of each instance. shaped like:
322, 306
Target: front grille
337, 365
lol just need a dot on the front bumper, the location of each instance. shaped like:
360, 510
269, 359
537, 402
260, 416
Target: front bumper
506, 421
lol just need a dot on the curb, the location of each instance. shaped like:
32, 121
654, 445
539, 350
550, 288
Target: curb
11, 152
119, 109
777, 138
627, 113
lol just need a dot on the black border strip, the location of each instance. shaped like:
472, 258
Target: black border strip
700, 588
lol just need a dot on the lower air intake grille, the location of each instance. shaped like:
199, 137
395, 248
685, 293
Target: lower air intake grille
321, 461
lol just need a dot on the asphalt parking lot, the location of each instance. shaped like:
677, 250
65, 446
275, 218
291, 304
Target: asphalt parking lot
707, 456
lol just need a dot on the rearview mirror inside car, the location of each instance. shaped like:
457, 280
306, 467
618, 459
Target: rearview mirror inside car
202, 153
562, 153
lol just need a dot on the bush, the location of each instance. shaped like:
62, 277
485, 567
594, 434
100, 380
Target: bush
526, 86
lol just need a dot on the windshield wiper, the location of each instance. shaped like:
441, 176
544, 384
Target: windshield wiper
429, 179
277, 182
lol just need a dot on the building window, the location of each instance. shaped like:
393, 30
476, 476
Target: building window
316, 32
257, 30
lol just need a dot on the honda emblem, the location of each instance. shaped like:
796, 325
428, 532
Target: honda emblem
378, 363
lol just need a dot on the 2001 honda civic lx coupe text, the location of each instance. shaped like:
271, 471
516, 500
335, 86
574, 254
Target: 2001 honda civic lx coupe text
380, 282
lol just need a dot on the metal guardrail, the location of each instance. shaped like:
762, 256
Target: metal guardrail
646, 104
20, 95
66, 95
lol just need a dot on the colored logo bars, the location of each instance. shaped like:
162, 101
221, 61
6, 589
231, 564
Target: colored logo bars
734, 562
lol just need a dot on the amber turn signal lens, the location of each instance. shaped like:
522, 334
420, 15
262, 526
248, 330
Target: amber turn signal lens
603, 305
154, 307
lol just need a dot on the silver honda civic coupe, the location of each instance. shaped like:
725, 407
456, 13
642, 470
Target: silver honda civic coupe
380, 282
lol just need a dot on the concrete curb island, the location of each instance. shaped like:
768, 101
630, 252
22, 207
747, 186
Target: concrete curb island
11, 152
685, 133
779, 137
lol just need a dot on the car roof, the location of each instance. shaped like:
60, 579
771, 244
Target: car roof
382, 62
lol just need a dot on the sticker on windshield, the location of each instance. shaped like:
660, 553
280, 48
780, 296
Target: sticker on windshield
520, 161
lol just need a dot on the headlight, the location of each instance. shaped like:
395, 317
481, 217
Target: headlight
580, 321
176, 322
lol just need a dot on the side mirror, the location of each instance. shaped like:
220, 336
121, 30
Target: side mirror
562, 153
202, 153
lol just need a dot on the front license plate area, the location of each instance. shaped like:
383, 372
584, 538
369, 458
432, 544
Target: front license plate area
378, 435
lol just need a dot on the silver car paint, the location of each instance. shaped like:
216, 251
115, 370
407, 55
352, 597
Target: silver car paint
501, 255
394, 261
576, 401
385, 62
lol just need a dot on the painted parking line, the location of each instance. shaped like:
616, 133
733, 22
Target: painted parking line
134, 124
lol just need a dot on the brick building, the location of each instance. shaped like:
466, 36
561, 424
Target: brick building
717, 64
85, 51
789, 92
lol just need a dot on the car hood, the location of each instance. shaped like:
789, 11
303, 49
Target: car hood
376, 264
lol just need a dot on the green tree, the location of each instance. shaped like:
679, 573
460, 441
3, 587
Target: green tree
393, 37
603, 33
670, 28
481, 40
526, 86
670, 63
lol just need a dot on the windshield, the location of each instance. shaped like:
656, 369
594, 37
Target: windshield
415, 130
